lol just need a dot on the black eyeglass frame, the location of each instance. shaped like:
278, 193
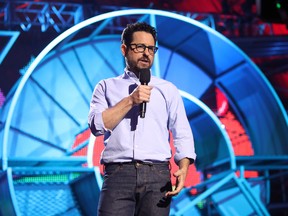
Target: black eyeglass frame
151, 49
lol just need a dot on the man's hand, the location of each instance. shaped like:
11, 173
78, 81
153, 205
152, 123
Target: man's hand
141, 94
180, 177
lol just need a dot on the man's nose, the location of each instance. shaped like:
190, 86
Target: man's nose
146, 51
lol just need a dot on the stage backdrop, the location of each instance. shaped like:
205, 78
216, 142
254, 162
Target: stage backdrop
47, 109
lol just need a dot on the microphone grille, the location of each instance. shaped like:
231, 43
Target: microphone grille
144, 75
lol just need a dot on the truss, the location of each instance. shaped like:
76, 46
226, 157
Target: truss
27, 14
60, 16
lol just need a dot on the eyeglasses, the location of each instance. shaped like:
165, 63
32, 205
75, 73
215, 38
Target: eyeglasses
142, 47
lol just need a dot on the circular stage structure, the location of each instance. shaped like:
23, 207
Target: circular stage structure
51, 101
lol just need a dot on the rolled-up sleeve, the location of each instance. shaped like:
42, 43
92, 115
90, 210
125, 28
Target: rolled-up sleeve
181, 130
97, 105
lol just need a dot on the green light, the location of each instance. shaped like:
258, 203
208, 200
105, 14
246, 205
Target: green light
60, 178
278, 5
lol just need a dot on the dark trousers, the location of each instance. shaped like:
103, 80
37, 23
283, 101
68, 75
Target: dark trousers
131, 189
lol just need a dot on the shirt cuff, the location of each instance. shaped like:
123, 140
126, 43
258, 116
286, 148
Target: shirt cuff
99, 124
179, 157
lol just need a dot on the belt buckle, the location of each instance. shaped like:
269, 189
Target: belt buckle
137, 163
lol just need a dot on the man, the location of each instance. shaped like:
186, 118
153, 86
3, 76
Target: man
137, 151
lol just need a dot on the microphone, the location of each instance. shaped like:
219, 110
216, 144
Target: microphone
144, 77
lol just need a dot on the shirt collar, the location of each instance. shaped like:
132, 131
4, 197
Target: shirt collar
130, 75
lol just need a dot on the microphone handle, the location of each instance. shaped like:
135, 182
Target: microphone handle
142, 110
143, 105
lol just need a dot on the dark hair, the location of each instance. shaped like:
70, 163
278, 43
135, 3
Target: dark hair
127, 33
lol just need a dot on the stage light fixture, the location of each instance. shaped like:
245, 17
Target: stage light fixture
274, 11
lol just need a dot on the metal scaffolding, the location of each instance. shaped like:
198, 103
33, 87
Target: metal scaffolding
62, 15
27, 14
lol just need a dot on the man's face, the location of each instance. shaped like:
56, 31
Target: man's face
136, 60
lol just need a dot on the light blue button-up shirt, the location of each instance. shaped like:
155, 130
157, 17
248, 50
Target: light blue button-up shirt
145, 139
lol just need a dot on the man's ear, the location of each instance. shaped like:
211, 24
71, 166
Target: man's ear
124, 49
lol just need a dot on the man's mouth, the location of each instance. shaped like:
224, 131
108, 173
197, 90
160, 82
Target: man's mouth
144, 60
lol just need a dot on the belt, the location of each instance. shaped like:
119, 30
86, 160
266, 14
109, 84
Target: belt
138, 162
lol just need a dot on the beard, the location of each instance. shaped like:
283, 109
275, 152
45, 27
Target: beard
135, 67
